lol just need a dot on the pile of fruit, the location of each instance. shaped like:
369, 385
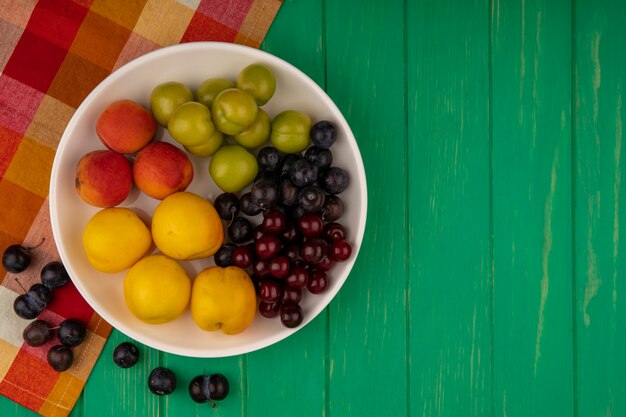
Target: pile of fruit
279, 169
70, 333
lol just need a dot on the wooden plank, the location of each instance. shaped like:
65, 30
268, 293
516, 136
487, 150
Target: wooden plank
600, 84
288, 378
532, 229
365, 77
113, 390
12, 409
449, 208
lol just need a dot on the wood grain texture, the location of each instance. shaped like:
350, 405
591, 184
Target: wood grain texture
600, 84
368, 317
532, 235
449, 208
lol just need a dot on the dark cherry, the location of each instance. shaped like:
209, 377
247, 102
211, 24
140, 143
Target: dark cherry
247, 206
334, 231
333, 208
210, 388
265, 191
325, 264
60, 358
162, 381
54, 275
279, 267
261, 269
334, 180
274, 221
242, 257
227, 206
311, 225
291, 314
218, 387
318, 282
271, 291
292, 294
126, 355
199, 389
323, 134
267, 246
322, 158
314, 250
71, 332
25, 308
40, 295
311, 199
38, 333
224, 255
297, 278
269, 310
340, 250
269, 158
240, 230
16, 258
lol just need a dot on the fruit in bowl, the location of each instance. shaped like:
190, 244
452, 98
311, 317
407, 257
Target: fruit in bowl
185, 226
223, 299
103, 178
161, 169
192, 65
233, 168
114, 239
125, 126
157, 289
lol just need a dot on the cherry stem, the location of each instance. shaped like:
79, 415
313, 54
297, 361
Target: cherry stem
43, 239
20, 284
213, 405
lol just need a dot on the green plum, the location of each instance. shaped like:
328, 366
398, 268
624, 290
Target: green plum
210, 88
233, 111
191, 124
257, 133
233, 168
290, 131
209, 147
166, 97
259, 81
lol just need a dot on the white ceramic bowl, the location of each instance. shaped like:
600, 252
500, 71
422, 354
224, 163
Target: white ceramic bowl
191, 63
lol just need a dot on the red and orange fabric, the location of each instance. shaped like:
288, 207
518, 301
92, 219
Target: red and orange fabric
52, 54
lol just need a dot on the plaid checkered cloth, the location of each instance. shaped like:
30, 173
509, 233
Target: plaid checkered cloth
52, 54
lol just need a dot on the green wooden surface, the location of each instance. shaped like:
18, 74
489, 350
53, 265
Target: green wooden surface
532, 222
490, 281
450, 282
600, 82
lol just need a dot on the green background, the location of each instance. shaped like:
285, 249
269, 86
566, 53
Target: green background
490, 280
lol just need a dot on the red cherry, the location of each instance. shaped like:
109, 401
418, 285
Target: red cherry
267, 246
279, 267
340, 250
242, 257
318, 282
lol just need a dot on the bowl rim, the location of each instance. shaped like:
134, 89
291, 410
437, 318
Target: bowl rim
54, 203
